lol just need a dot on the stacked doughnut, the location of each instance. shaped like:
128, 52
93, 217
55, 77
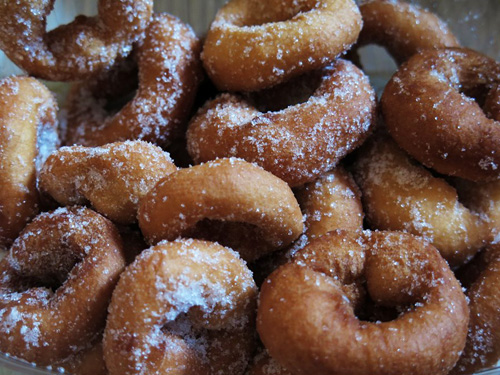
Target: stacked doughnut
309, 230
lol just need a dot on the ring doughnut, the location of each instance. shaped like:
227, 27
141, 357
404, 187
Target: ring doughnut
429, 115
74, 51
169, 74
78, 254
178, 309
255, 44
112, 178
228, 190
400, 271
399, 194
28, 132
297, 144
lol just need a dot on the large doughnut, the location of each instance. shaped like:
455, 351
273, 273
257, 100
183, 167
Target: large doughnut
427, 111
28, 132
403, 29
56, 283
183, 307
226, 189
307, 310
74, 51
253, 44
298, 143
400, 194
169, 74
112, 178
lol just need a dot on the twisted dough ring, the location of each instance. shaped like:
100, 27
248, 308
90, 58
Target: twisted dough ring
78, 253
399, 271
225, 189
28, 132
113, 178
399, 194
182, 307
74, 51
169, 74
429, 115
254, 44
298, 143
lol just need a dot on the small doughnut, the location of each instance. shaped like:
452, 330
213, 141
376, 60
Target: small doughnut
56, 283
169, 74
254, 44
403, 29
184, 307
226, 189
334, 273
74, 51
482, 348
297, 144
28, 132
112, 178
400, 194
427, 111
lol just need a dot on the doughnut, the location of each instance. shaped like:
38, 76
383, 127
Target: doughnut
74, 51
227, 190
185, 307
169, 74
263, 364
298, 143
402, 29
400, 194
28, 132
88, 362
56, 283
335, 273
482, 348
113, 178
254, 44
427, 111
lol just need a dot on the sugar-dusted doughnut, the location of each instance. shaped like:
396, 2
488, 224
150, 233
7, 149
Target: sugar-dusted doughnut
254, 44
113, 178
56, 283
400, 194
336, 274
187, 307
427, 111
298, 143
28, 132
74, 51
228, 190
169, 74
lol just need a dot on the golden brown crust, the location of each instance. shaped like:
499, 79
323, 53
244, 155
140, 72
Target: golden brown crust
178, 308
169, 74
28, 132
298, 143
399, 270
428, 114
74, 51
78, 253
112, 178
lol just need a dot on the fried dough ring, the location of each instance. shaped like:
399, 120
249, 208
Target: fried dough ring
399, 194
254, 44
401, 271
182, 307
298, 143
112, 178
28, 132
429, 116
225, 189
74, 51
169, 74
78, 253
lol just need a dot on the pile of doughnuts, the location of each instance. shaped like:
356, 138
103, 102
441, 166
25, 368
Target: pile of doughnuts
242, 203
